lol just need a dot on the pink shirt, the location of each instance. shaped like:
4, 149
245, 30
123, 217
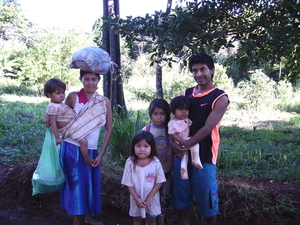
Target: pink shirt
181, 127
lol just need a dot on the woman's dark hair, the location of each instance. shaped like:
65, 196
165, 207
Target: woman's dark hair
149, 138
52, 85
180, 102
82, 73
202, 58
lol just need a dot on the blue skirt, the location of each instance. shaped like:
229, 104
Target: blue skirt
82, 192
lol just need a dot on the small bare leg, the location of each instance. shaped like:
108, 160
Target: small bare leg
161, 219
137, 221
85, 152
195, 156
183, 170
150, 220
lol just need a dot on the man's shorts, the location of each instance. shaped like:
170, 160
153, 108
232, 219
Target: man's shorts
202, 185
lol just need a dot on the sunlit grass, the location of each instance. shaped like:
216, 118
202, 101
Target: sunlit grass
255, 143
23, 99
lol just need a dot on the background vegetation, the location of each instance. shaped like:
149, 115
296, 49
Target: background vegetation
260, 140
260, 132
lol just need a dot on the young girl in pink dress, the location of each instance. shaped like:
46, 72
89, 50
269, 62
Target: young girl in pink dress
143, 175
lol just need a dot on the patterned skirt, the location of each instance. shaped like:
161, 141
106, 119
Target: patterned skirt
82, 192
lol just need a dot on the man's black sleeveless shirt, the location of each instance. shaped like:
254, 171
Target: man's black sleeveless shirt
202, 105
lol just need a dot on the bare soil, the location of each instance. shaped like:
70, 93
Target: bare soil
237, 204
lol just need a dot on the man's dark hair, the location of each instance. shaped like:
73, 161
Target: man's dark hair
202, 58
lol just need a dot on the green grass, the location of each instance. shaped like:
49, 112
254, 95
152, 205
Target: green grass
22, 128
272, 150
264, 152
256, 144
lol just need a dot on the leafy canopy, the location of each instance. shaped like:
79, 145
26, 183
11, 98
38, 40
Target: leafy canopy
268, 28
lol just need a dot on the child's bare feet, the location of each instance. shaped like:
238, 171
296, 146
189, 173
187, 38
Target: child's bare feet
89, 161
197, 164
184, 174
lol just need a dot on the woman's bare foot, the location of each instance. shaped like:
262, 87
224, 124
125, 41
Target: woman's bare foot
91, 220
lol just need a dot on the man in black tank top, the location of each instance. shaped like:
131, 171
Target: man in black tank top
209, 104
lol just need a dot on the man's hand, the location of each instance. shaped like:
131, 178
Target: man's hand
179, 150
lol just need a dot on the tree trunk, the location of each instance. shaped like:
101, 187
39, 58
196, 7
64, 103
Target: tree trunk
280, 66
159, 88
105, 46
113, 84
169, 4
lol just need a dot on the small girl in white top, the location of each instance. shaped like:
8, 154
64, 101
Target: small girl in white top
61, 114
179, 128
143, 175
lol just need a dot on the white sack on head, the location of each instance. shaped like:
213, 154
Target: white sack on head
92, 59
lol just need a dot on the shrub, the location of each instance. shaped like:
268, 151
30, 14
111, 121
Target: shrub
123, 131
16, 87
258, 93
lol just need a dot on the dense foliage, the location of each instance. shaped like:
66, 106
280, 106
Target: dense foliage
260, 130
34, 54
261, 34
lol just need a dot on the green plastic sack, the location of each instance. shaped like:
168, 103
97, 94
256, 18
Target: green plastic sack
48, 176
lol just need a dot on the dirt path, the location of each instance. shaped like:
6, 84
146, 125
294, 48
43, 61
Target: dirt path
18, 207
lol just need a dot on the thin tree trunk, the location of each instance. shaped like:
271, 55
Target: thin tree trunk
105, 46
159, 88
280, 66
169, 4
111, 43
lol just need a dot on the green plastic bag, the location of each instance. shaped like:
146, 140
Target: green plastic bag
48, 176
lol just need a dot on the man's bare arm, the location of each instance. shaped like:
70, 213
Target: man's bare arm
212, 120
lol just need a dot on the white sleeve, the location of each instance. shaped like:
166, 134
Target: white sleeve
127, 174
160, 175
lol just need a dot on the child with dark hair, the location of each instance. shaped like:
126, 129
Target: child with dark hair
143, 175
159, 112
61, 114
179, 129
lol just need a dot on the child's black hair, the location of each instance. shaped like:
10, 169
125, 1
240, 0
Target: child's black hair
180, 102
149, 138
52, 85
161, 104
